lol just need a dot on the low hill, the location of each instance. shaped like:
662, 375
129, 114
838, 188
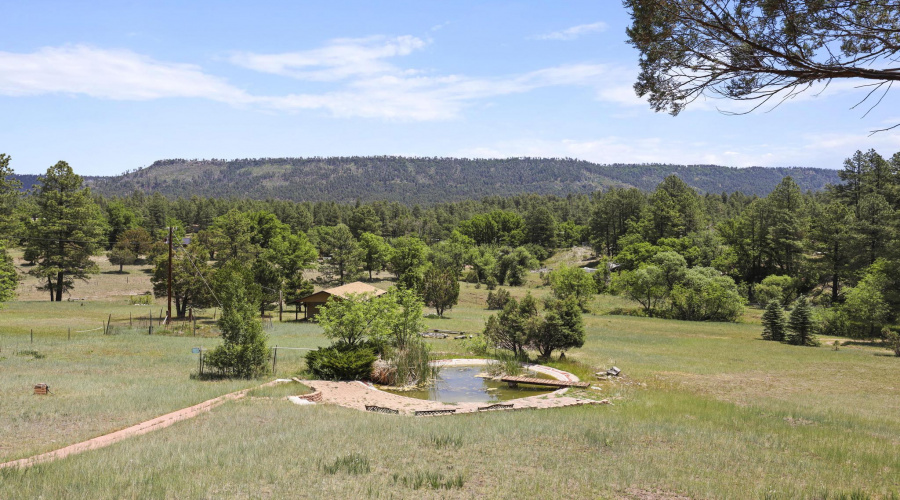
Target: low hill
431, 180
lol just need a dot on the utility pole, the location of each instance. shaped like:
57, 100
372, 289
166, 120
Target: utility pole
169, 288
280, 304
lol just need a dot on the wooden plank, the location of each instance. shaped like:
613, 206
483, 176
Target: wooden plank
543, 381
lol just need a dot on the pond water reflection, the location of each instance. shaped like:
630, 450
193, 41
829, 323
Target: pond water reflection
459, 384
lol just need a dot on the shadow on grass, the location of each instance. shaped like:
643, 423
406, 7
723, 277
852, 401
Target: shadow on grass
865, 343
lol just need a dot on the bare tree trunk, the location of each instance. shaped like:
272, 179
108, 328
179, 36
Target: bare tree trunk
59, 286
834, 288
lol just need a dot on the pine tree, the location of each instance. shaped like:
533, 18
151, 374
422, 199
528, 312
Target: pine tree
9, 279
10, 197
800, 325
68, 229
773, 322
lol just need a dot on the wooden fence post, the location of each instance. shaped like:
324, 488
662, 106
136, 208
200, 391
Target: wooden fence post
274, 360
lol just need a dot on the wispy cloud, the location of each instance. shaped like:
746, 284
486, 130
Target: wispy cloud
341, 58
574, 32
423, 98
108, 74
808, 150
360, 76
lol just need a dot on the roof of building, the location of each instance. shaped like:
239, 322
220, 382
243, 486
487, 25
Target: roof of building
357, 287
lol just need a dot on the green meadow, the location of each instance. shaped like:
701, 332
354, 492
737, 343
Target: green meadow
703, 410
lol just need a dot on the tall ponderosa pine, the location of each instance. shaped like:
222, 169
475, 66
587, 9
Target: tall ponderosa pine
675, 210
774, 324
800, 325
830, 235
541, 227
788, 229
613, 214
68, 229
345, 256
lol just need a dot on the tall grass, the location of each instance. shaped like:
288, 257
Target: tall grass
430, 479
354, 463
663, 440
412, 365
694, 399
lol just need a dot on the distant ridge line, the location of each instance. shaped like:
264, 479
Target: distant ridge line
430, 180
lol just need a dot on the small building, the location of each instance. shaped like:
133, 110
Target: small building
312, 303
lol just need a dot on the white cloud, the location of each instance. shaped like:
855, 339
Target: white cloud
108, 74
360, 79
574, 32
340, 59
810, 151
368, 85
421, 98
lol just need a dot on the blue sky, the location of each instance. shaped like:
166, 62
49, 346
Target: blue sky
111, 86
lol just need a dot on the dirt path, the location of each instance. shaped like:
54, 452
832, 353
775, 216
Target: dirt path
356, 395
135, 430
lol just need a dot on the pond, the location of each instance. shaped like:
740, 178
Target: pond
459, 384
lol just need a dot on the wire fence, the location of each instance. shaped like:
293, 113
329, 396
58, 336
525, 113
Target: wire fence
282, 359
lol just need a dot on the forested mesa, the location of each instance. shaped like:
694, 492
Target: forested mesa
676, 252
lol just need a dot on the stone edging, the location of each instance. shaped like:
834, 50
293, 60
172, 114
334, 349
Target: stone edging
314, 397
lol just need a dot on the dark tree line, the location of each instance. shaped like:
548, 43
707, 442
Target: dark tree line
679, 252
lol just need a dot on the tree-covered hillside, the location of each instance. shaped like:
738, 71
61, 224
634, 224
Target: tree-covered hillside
431, 180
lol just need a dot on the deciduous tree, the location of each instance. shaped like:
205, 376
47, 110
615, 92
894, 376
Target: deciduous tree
243, 352
440, 289
376, 252
574, 282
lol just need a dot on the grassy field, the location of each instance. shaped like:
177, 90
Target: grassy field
705, 410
